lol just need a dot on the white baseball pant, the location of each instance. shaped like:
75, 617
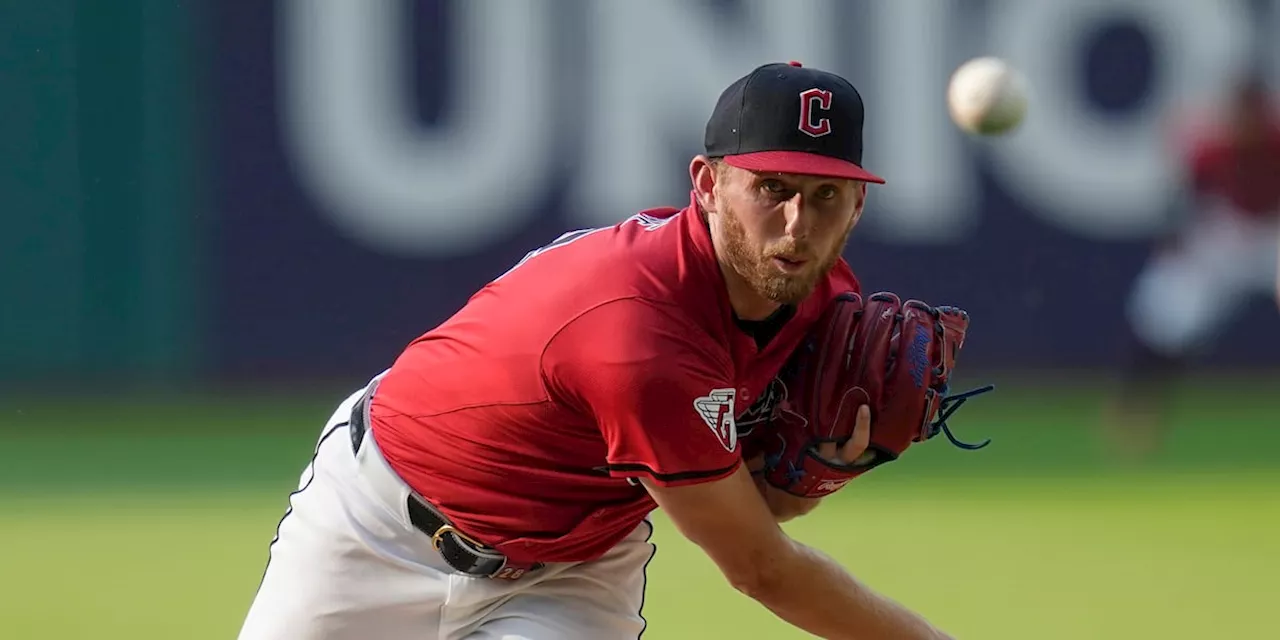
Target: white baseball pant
347, 563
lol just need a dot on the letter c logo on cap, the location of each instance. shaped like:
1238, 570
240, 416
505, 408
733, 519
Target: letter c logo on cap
811, 100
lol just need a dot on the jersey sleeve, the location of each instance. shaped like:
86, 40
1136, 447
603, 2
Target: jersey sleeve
659, 388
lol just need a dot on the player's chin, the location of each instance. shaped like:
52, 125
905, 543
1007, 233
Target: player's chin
787, 289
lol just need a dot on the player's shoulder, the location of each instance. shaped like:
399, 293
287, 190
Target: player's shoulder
655, 217
641, 237
653, 233
662, 254
642, 322
595, 263
644, 278
628, 341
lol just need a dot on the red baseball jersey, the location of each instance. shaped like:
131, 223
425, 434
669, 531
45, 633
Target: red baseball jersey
1246, 179
608, 355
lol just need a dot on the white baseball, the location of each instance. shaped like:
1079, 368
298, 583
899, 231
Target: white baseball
987, 96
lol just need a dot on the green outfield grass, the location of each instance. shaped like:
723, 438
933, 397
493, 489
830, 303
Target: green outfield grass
150, 519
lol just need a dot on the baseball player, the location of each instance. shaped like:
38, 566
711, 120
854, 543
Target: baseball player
496, 480
1220, 257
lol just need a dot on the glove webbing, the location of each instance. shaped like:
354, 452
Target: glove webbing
949, 405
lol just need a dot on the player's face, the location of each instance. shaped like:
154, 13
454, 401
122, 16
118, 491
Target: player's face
781, 233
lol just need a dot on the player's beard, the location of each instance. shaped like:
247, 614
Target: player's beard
756, 265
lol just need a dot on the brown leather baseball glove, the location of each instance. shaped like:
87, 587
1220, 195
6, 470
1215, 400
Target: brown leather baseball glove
896, 357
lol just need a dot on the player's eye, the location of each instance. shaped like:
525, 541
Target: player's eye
827, 192
773, 186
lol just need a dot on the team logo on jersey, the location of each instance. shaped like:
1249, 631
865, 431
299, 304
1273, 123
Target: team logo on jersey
812, 100
716, 409
763, 408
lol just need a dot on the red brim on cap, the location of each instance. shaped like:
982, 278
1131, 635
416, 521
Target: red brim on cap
803, 163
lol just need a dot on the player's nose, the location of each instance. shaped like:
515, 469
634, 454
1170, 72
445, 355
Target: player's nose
798, 217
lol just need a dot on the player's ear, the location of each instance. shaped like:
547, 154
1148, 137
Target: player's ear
860, 191
702, 173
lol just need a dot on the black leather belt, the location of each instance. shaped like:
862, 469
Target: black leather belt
462, 552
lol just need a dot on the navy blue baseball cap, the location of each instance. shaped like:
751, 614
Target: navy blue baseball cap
787, 118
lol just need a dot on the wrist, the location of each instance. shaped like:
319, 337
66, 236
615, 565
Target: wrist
786, 506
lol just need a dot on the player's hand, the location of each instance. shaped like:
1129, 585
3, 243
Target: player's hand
853, 450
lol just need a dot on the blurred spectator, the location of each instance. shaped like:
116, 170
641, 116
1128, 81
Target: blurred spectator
1221, 254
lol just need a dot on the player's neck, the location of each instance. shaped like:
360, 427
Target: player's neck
747, 304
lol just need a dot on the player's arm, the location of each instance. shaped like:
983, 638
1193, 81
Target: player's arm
801, 585
782, 505
652, 387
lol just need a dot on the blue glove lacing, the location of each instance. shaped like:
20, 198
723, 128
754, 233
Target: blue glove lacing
948, 406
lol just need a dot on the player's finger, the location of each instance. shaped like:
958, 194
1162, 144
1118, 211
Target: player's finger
828, 451
857, 445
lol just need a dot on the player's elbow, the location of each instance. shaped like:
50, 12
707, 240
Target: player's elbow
759, 579
752, 583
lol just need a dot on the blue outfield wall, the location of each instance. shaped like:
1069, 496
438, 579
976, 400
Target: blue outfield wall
376, 166
297, 188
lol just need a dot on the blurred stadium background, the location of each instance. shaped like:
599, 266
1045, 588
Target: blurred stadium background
222, 216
